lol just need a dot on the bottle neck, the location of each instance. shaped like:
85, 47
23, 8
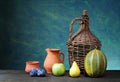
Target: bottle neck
84, 24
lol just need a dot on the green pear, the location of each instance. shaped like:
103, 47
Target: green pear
74, 70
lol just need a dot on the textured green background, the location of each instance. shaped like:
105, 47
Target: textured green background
28, 27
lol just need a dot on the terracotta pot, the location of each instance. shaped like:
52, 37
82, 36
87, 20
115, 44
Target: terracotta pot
31, 64
53, 56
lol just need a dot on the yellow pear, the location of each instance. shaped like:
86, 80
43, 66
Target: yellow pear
74, 70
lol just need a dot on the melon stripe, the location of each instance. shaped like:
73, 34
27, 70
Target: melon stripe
98, 62
104, 61
91, 66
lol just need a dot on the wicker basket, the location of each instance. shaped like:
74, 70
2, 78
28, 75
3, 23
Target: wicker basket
81, 42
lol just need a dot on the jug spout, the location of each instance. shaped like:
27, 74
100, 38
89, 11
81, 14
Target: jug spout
47, 49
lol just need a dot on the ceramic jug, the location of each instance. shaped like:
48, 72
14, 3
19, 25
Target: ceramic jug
53, 56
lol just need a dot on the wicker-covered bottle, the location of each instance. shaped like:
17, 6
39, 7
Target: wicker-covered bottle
81, 42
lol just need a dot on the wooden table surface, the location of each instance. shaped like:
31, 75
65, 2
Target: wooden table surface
22, 76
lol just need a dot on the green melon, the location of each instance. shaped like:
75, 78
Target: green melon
95, 63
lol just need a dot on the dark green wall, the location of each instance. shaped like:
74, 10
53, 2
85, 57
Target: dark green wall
28, 27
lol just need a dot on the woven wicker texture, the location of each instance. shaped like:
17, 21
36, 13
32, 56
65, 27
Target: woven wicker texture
82, 41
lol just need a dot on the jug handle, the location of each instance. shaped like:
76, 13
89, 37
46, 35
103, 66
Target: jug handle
74, 20
71, 26
62, 60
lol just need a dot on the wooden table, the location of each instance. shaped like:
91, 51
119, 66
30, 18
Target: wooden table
21, 76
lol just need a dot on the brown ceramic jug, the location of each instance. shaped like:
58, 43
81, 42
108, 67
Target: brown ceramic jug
53, 56
31, 64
